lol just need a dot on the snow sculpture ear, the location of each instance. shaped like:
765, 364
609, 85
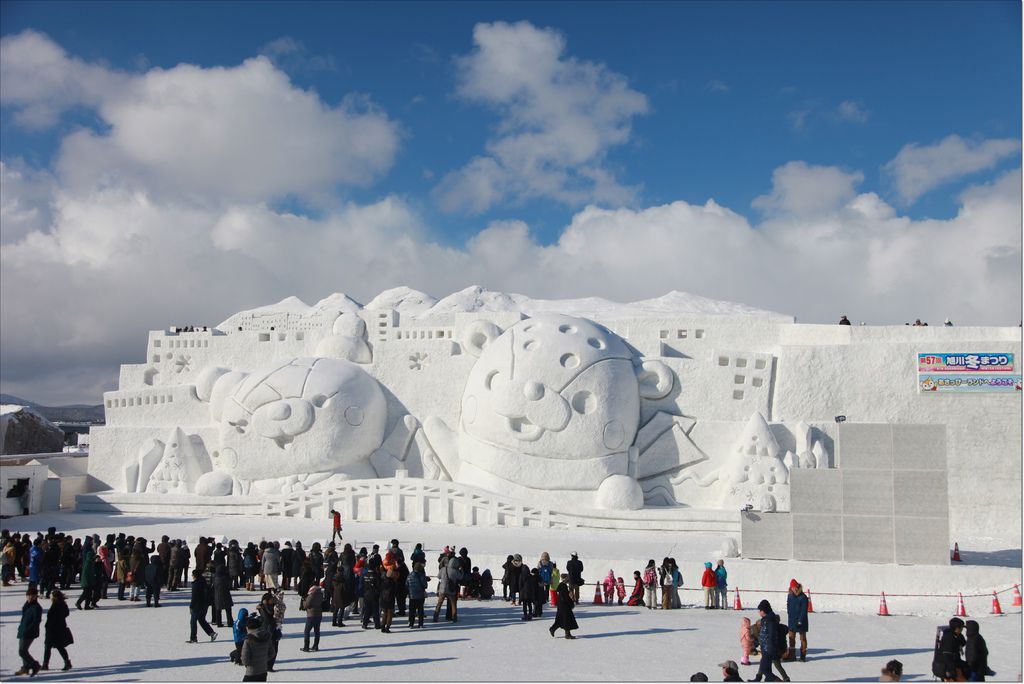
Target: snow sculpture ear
206, 380
478, 335
656, 379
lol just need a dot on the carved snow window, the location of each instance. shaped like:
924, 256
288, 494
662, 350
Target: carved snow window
737, 394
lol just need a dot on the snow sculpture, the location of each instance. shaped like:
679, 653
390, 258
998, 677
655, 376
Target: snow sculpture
171, 467
551, 405
753, 469
347, 341
305, 419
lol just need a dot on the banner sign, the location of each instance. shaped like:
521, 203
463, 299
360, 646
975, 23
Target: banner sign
963, 382
965, 363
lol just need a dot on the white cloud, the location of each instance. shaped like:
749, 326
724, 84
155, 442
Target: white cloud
717, 86
292, 55
918, 169
138, 263
802, 189
241, 133
559, 117
40, 81
852, 110
121, 239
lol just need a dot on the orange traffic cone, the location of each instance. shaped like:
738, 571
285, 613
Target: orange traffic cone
960, 610
883, 609
736, 605
1016, 596
598, 601
810, 603
996, 610
956, 552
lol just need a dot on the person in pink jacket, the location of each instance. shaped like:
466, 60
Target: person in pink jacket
746, 641
609, 588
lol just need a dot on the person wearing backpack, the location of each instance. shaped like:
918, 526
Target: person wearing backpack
416, 584
667, 582
771, 644
650, 578
456, 576
544, 572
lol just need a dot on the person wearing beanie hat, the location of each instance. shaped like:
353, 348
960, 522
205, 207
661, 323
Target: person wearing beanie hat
730, 671
946, 663
770, 642
796, 614
710, 584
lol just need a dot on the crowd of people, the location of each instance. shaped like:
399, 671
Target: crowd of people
376, 586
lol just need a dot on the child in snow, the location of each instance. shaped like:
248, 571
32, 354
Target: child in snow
609, 587
620, 589
637, 597
710, 584
651, 584
238, 633
746, 641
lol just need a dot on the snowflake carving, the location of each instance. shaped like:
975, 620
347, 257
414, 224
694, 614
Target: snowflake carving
418, 361
183, 363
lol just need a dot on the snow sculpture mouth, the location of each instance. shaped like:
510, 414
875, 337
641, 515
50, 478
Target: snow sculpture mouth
523, 429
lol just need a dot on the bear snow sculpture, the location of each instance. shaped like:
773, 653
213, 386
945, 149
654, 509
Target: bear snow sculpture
302, 417
552, 405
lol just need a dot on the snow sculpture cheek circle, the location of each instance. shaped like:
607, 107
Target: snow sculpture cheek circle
304, 416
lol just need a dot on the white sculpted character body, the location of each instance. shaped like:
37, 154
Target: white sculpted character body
309, 415
553, 404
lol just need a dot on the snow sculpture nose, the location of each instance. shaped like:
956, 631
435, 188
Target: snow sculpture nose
544, 408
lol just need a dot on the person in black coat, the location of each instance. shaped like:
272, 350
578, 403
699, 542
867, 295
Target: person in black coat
58, 636
155, 578
287, 561
28, 631
371, 597
574, 568
947, 663
975, 653
198, 606
540, 593
527, 589
222, 596
770, 643
564, 618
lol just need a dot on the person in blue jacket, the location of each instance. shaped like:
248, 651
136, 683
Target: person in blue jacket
771, 645
238, 632
796, 612
722, 589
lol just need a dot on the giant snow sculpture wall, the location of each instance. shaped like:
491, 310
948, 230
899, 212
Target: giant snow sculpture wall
580, 404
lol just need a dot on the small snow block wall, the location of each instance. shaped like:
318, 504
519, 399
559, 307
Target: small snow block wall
767, 535
870, 375
817, 504
886, 503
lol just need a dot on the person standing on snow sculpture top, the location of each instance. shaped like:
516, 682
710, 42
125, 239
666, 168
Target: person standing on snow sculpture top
336, 517
844, 320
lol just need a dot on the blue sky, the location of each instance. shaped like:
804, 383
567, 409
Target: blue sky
736, 89
740, 151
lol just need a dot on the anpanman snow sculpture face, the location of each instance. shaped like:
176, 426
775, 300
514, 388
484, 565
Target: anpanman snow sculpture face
555, 386
305, 416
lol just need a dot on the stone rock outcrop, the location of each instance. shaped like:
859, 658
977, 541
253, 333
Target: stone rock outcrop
22, 431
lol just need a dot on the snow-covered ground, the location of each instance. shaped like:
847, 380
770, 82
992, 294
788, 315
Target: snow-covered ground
125, 641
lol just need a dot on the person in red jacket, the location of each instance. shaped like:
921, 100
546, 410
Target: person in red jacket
337, 525
710, 582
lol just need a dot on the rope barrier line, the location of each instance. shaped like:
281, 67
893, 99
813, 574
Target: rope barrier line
836, 593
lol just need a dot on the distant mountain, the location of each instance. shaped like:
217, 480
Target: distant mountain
73, 413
